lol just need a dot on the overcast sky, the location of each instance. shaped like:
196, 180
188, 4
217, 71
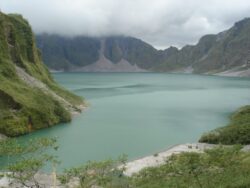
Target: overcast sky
162, 23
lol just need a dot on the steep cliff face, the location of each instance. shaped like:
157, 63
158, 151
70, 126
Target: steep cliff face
62, 53
29, 97
104, 64
188, 56
115, 54
225, 53
231, 50
131, 49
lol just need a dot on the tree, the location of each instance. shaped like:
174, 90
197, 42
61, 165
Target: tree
108, 173
24, 160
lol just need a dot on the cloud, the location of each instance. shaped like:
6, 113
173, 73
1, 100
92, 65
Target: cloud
162, 23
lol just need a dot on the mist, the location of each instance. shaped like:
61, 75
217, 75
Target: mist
161, 23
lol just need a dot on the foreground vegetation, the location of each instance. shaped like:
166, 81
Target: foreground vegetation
220, 167
224, 167
23, 161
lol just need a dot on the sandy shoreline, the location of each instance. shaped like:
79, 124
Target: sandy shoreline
157, 159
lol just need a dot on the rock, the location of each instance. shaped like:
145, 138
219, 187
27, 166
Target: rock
246, 148
3, 137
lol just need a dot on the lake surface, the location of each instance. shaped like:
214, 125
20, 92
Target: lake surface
142, 113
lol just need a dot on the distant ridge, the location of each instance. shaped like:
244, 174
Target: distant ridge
226, 53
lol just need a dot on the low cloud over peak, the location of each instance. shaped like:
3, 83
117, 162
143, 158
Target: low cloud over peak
162, 23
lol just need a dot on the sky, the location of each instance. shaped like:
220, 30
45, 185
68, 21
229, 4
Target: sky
162, 23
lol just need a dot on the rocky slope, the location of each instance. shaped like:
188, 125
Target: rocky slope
227, 53
110, 54
29, 97
103, 64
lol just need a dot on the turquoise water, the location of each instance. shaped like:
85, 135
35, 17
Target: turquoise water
142, 113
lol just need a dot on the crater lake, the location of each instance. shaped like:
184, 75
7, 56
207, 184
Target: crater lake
142, 113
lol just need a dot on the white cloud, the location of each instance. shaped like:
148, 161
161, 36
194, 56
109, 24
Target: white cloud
159, 22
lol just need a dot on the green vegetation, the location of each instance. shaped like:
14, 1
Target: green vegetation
237, 132
25, 108
24, 161
219, 167
105, 173
222, 167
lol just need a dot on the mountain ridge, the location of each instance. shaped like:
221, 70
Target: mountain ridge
225, 53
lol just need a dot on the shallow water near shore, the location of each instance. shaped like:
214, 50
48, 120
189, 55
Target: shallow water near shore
142, 113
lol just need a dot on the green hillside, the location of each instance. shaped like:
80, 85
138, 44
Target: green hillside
29, 97
236, 132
